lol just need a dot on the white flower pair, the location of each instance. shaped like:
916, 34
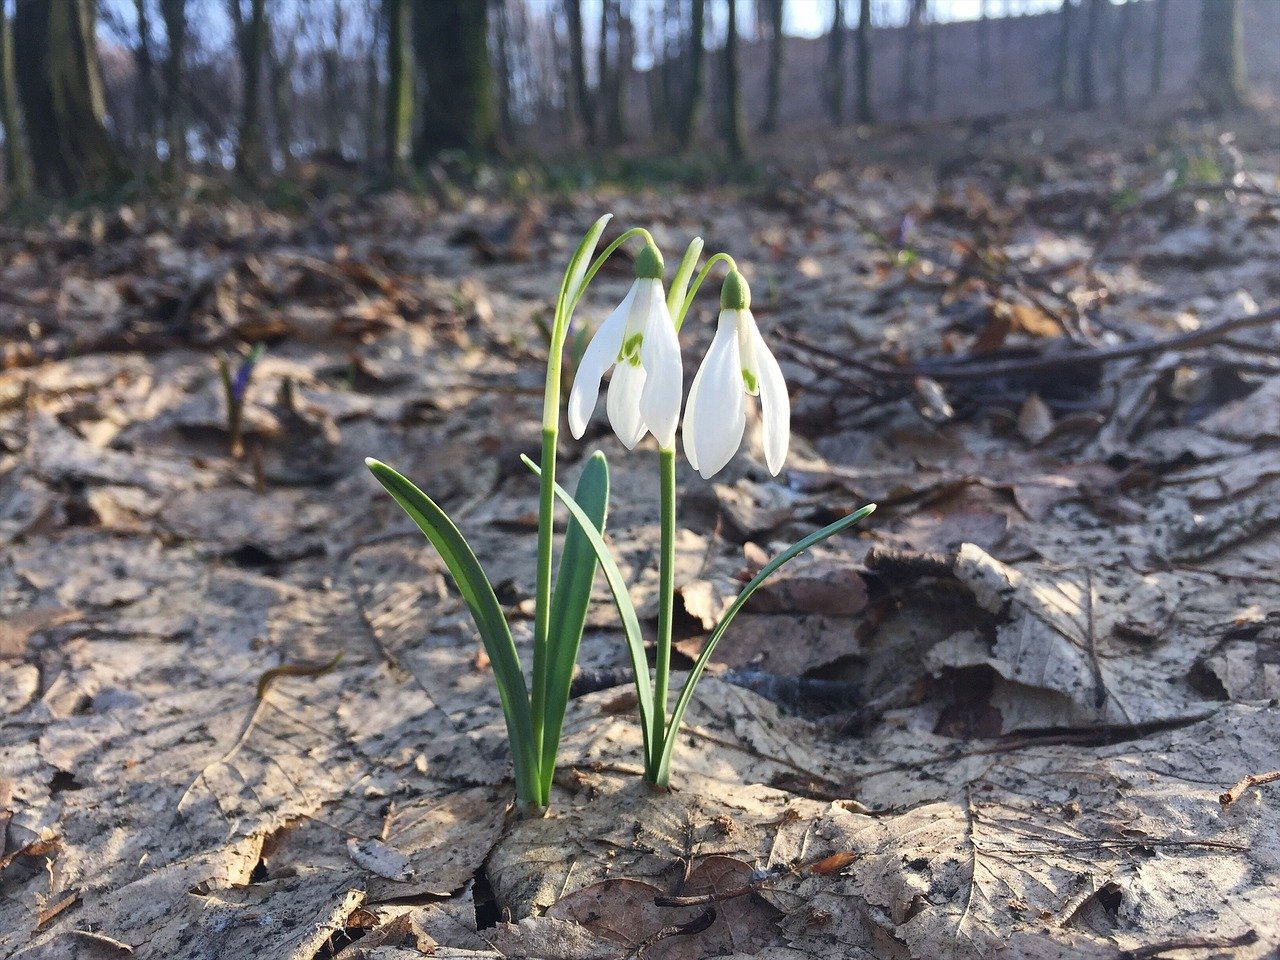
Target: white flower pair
639, 340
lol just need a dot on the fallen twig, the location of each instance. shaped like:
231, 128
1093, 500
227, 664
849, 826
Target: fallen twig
1248, 783
965, 370
1189, 943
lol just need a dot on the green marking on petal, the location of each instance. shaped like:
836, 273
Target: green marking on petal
752, 382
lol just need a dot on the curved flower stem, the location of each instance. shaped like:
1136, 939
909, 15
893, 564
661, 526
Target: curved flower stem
598, 263
678, 319
566, 302
666, 606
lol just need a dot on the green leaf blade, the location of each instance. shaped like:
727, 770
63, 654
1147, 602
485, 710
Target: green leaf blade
769, 569
622, 599
495, 634
569, 602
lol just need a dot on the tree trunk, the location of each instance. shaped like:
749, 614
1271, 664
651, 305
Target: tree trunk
15, 158
280, 66
331, 84
451, 44
1062, 70
984, 40
833, 74
692, 100
251, 38
1120, 57
374, 98
733, 135
931, 68
615, 118
578, 71
907, 88
771, 13
145, 90
503, 55
59, 81
174, 13
863, 43
1158, 30
1221, 80
1094, 11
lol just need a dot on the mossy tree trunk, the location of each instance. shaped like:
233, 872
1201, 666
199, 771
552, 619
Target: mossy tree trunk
1221, 78
60, 85
451, 44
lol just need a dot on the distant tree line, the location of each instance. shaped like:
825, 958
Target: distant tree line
93, 92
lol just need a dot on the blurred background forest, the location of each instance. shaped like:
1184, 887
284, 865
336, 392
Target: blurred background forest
99, 93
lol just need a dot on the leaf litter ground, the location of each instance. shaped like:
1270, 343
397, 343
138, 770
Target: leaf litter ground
244, 715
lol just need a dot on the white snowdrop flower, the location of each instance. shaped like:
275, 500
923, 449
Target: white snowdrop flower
639, 341
737, 364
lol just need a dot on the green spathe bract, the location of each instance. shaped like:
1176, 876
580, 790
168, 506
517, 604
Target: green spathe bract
535, 711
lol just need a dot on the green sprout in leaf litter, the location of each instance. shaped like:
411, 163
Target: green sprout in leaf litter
235, 386
639, 342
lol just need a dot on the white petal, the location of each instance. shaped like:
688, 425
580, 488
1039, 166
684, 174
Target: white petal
596, 359
717, 412
624, 403
664, 383
775, 405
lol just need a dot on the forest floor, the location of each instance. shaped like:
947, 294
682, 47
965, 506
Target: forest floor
1022, 686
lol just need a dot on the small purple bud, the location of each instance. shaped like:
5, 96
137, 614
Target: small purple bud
240, 382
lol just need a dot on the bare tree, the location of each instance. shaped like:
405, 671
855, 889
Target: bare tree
771, 12
399, 84
688, 111
862, 42
15, 158
1062, 68
733, 136
1093, 13
282, 59
931, 66
1221, 76
833, 73
907, 86
1120, 56
1159, 27
145, 88
578, 70
174, 13
251, 42
984, 39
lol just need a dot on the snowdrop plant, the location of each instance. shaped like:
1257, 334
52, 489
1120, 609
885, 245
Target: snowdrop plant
639, 342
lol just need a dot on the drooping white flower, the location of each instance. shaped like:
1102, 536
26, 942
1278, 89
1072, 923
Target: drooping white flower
737, 364
639, 341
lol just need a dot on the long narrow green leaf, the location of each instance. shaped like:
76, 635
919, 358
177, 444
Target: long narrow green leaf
626, 609
772, 567
569, 604
487, 614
